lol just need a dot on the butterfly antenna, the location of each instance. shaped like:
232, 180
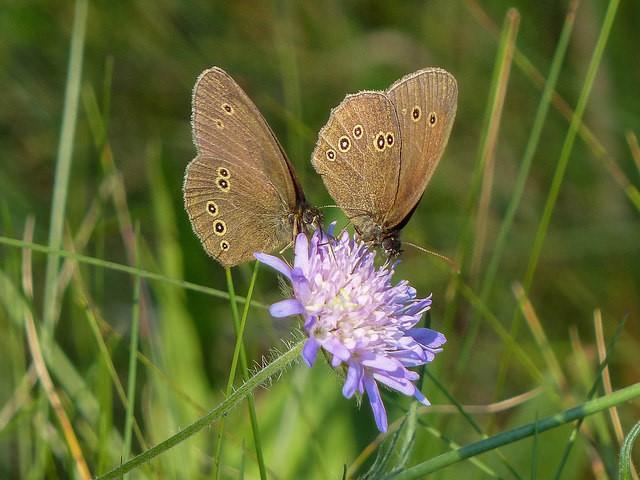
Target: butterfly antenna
448, 260
287, 246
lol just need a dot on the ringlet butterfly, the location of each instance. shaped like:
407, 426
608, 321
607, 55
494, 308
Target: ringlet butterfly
240, 191
379, 149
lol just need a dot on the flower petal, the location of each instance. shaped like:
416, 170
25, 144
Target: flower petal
400, 384
286, 308
382, 362
427, 337
421, 398
301, 252
274, 262
333, 345
353, 380
310, 351
379, 412
300, 284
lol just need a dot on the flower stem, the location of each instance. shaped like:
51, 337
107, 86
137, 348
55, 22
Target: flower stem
278, 365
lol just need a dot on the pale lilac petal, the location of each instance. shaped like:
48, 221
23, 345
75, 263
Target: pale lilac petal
300, 284
310, 351
335, 361
275, 263
382, 362
352, 382
286, 308
302, 252
400, 384
411, 375
427, 337
379, 412
335, 347
310, 322
421, 398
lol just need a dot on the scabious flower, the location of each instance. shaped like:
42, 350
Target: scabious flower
353, 311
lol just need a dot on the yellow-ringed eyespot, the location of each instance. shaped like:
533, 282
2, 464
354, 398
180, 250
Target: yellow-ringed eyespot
223, 184
390, 138
433, 119
358, 131
379, 141
416, 113
344, 144
219, 227
223, 172
227, 108
224, 245
212, 208
331, 154
219, 123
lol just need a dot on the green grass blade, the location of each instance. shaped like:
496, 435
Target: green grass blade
133, 363
510, 436
239, 352
63, 163
125, 269
59, 200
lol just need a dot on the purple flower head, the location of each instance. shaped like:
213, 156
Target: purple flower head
353, 311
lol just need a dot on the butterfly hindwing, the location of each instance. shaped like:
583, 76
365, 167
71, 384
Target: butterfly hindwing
240, 191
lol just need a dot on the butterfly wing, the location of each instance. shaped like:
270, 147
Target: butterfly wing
358, 157
240, 190
425, 102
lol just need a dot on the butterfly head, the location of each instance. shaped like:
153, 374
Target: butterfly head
391, 245
308, 217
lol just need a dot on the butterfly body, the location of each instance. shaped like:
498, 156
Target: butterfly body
379, 149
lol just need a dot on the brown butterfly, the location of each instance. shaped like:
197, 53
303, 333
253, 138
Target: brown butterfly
240, 192
378, 151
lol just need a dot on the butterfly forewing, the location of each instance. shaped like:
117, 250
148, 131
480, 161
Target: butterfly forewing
425, 103
240, 191
357, 155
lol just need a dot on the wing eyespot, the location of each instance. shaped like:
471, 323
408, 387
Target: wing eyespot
379, 141
330, 154
227, 108
416, 113
223, 172
433, 119
358, 131
219, 227
212, 208
344, 144
224, 245
390, 139
219, 123
223, 184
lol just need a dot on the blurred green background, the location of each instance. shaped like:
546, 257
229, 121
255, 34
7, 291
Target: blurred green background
297, 60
